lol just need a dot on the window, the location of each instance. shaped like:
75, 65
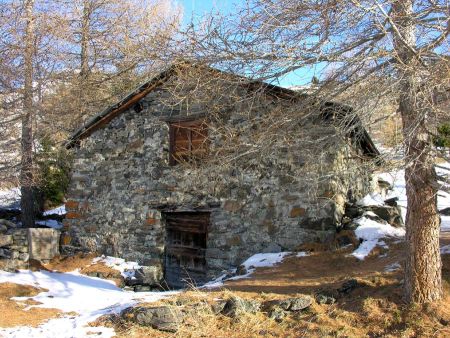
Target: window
188, 141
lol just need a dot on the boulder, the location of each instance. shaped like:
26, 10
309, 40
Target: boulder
236, 306
6, 240
392, 202
218, 306
289, 304
3, 228
164, 318
392, 215
241, 270
146, 275
325, 299
348, 286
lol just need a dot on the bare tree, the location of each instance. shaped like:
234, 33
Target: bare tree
348, 43
26, 174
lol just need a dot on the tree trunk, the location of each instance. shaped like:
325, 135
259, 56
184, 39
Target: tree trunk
84, 69
26, 173
84, 59
423, 260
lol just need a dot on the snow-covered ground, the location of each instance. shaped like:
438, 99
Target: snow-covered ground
260, 260
372, 232
90, 297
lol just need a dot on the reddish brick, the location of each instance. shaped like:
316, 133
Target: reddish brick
73, 215
151, 221
297, 212
72, 204
65, 239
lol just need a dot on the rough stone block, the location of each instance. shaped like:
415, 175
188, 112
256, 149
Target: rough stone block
44, 243
6, 240
232, 206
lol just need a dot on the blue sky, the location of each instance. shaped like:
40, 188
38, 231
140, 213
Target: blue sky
197, 8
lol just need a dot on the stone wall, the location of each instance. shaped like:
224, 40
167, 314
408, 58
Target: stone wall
18, 245
122, 183
14, 253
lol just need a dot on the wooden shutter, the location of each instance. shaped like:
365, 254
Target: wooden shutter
188, 141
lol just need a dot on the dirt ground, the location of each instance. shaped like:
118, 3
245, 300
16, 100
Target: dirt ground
375, 308
12, 313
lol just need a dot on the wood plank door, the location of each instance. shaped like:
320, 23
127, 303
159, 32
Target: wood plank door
186, 235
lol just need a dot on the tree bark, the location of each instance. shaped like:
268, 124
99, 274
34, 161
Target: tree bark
26, 173
423, 261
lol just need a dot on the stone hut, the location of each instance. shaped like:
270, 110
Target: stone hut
158, 179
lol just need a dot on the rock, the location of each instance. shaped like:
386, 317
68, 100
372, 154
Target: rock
236, 306
445, 211
146, 275
350, 226
241, 270
44, 243
218, 306
3, 228
5, 253
6, 240
8, 223
374, 217
289, 304
346, 237
392, 215
277, 314
392, 202
164, 318
353, 211
348, 286
325, 299
24, 256
272, 248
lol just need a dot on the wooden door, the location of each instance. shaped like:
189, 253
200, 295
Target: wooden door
186, 235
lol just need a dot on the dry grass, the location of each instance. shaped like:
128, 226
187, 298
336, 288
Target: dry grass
67, 264
12, 312
83, 262
374, 309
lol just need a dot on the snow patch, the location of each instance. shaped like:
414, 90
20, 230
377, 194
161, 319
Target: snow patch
51, 223
126, 269
371, 232
260, 260
445, 250
301, 254
73, 292
445, 223
61, 210
372, 199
